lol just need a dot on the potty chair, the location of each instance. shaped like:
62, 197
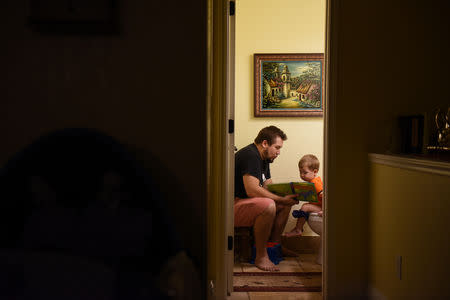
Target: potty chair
315, 223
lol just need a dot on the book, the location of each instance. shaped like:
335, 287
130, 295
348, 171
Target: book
306, 190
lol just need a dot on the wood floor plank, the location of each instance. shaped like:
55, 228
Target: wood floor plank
238, 296
308, 263
288, 264
285, 296
285, 283
299, 278
277, 280
237, 267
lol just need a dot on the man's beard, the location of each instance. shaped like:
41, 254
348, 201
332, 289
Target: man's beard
266, 156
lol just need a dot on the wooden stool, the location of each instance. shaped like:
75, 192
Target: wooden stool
243, 242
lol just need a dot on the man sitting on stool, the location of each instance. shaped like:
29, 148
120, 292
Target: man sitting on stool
254, 205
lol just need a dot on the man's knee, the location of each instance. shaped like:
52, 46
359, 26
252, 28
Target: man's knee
271, 207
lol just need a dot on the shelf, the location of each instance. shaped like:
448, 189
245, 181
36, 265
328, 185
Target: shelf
421, 164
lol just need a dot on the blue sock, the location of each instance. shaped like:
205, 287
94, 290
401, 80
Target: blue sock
300, 214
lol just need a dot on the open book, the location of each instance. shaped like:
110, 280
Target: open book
305, 190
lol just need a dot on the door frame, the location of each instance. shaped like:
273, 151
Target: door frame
217, 103
219, 187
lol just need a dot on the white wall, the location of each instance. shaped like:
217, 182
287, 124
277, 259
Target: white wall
284, 26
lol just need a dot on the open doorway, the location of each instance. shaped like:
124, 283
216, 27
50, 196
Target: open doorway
220, 125
285, 26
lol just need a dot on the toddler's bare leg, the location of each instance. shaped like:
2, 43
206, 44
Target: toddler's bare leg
298, 230
311, 208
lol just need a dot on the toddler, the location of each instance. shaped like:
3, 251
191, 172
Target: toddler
308, 167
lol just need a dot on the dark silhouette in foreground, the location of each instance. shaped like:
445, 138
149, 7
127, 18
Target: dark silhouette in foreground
81, 219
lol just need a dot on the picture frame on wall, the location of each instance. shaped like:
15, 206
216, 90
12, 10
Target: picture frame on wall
289, 85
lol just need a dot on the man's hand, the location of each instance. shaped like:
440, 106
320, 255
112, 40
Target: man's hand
253, 189
289, 200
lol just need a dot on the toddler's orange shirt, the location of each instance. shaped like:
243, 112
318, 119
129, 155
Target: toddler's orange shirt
319, 187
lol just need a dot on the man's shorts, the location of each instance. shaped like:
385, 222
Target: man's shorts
248, 209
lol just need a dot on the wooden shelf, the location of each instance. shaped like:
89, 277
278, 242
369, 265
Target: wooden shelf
420, 163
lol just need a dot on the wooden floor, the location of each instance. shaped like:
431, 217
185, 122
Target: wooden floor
303, 263
276, 296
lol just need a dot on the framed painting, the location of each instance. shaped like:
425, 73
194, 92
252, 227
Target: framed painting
289, 85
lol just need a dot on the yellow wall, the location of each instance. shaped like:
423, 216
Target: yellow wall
382, 56
285, 26
409, 215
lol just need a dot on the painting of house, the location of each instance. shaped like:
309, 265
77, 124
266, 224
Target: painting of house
287, 85
303, 90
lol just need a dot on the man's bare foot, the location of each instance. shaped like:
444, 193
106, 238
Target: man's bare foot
293, 232
265, 264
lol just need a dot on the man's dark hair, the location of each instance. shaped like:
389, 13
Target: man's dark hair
269, 134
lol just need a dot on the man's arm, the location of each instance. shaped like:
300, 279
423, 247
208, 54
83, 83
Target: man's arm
267, 182
253, 189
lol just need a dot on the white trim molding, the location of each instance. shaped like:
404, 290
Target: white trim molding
409, 163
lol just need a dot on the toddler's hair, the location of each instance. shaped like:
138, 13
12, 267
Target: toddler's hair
310, 161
